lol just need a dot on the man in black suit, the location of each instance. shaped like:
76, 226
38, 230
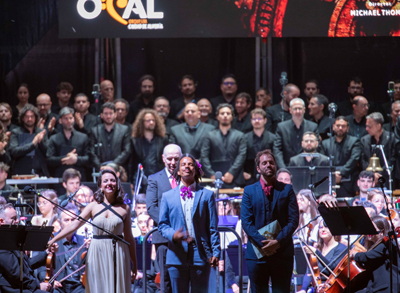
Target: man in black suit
10, 261
68, 148
161, 105
158, 184
84, 121
191, 134
28, 144
346, 152
48, 120
318, 106
188, 88
309, 145
357, 120
64, 92
121, 111
206, 109
145, 99
224, 149
242, 121
257, 140
228, 88
289, 134
354, 89
394, 114
6, 116
280, 112
378, 136
110, 140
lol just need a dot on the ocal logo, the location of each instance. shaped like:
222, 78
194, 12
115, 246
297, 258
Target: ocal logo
130, 8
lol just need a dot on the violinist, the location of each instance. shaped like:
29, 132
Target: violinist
376, 260
67, 247
47, 209
10, 261
308, 210
378, 199
328, 249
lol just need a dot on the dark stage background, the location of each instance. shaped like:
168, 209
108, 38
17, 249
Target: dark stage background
32, 52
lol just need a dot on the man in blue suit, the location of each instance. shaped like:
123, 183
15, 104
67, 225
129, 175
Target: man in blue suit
159, 183
264, 202
189, 221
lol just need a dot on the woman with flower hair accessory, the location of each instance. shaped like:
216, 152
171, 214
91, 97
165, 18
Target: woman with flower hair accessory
188, 219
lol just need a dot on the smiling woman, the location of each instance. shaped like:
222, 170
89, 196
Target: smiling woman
109, 212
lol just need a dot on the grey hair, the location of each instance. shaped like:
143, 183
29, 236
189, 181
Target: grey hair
297, 100
69, 207
377, 117
161, 98
168, 146
66, 111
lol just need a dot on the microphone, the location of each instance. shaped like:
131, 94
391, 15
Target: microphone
96, 91
218, 182
381, 180
29, 189
66, 201
391, 86
315, 185
283, 80
332, 107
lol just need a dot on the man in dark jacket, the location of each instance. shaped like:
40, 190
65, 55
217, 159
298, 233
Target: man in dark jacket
346, 152
190, 135
224, 149
28, 144
289, 134
110, 140
257, 140
69, 148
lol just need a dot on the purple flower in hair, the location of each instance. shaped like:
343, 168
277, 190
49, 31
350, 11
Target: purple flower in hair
199, 165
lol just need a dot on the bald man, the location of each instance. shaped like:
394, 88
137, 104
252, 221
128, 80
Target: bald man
190, 135
107, 95
280, 112
205, 108
48, 120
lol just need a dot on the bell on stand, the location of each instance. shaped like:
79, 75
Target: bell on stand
374, 164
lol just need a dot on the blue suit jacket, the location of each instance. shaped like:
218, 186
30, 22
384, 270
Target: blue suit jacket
205, 223
285, 210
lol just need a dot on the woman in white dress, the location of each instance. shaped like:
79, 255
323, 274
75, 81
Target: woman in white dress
108, 211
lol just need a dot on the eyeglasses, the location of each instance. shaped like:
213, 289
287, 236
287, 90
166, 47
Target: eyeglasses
229, 83
43, 105
257, 119
149, 120
43, 203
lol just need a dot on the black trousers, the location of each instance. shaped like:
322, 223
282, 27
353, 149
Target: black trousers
161, 258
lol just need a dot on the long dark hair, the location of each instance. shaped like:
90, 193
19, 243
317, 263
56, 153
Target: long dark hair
198, 171
99, 195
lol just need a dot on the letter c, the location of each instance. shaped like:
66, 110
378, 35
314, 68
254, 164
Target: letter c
89, 15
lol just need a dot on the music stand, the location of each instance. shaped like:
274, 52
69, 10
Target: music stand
347, 221
304, 176
22, 238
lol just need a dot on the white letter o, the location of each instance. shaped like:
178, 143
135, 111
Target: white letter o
89, 15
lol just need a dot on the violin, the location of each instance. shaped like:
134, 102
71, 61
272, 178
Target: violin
313, 261
50, 263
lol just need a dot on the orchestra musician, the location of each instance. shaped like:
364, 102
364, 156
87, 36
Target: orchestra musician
328, 249
111, 213
67, 248
376, 260
10, 261
308, 210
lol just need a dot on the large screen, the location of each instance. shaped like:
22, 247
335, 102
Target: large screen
227, 18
